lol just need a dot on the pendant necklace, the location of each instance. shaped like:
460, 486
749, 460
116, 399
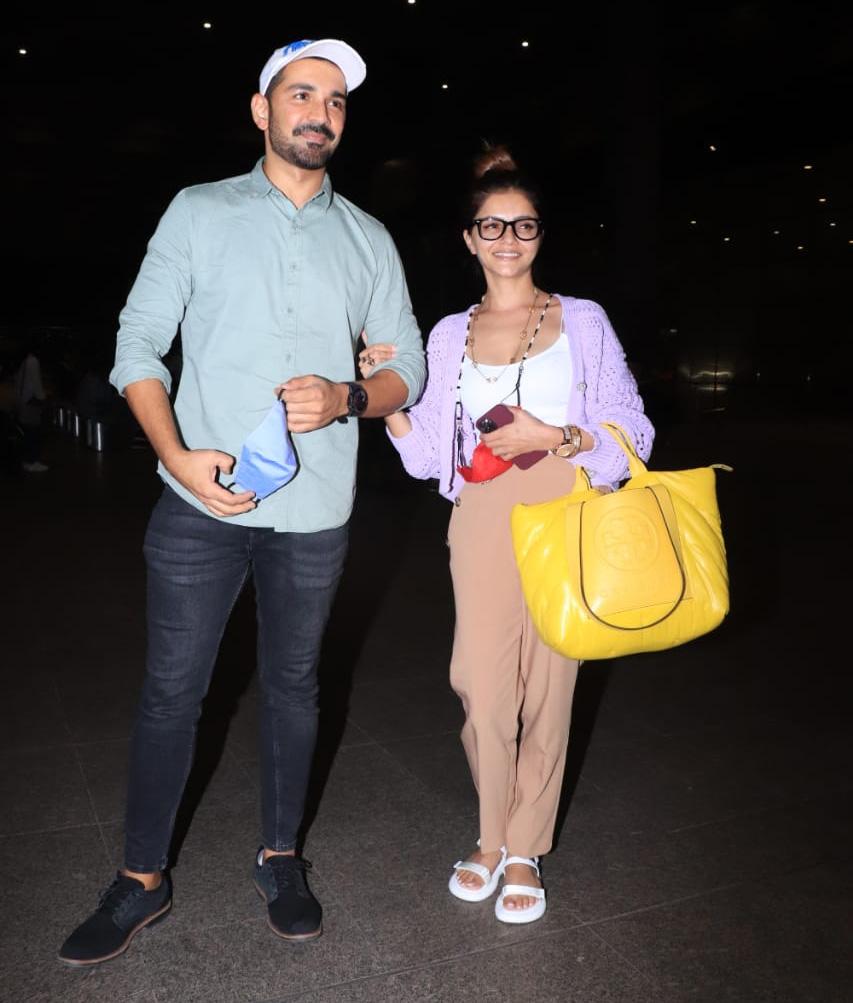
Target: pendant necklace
469, 340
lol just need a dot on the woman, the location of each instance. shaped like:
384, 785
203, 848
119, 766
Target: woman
556, 362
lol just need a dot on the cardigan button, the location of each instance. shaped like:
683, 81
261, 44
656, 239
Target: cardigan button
457, 501
581, 387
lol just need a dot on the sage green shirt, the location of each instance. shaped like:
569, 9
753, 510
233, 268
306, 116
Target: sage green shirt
262, 292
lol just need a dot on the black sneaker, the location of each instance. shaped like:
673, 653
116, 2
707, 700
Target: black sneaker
125, 907
294, 913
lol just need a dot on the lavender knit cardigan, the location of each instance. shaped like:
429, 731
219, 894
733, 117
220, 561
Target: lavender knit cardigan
604, 390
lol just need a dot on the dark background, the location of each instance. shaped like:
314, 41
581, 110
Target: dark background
614, 107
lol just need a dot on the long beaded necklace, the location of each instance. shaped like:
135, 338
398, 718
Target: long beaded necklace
457, 411
470, 342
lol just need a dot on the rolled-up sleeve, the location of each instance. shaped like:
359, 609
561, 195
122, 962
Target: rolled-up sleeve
156, 304
390, 320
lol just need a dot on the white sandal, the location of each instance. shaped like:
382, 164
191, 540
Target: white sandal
489, 878
531, 913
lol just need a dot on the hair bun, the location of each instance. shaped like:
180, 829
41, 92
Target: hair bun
496, 158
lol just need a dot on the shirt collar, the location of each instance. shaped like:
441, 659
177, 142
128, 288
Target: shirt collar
261, 185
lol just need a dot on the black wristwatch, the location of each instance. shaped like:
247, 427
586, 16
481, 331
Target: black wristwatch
356, 400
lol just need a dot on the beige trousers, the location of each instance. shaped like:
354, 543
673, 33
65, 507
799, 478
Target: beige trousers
516, 692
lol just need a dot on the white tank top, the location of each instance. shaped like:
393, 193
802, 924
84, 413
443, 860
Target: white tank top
545, 384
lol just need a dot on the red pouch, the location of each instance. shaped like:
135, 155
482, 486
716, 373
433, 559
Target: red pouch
485, 466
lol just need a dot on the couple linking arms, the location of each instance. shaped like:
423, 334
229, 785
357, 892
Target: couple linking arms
260, 271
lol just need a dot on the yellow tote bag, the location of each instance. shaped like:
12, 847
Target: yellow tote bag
639, 569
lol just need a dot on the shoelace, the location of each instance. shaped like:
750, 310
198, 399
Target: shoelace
285, 869
113, 895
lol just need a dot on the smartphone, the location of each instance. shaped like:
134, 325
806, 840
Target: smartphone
494, 418
500, 415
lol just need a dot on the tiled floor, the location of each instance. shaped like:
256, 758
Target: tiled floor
704, 850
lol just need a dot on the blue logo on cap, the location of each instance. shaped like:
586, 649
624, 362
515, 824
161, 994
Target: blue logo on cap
296, 46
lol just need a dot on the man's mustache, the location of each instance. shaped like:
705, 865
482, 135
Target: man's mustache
320, 127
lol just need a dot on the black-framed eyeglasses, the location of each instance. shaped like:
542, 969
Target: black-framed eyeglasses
493, 228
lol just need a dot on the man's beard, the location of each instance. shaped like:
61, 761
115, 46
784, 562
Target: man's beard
308, 158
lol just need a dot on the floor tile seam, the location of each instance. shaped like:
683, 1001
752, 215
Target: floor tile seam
90, 797
11, 750
49, 832
368, 740
710, 731
413, 776
74, 743
385, 743
202, 809
360, 744
551, 934
553, 931
425, 676
765, 809
824, 863
60, 703
349, 722
101, 834
240, 764
778, 731
247, 762
88, 743
627, 961
422, 784
720, 820
657, 906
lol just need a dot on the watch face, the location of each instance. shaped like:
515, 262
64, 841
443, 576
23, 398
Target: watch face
357, 398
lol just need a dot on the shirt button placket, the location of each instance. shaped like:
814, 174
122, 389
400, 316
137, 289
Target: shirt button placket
292, 290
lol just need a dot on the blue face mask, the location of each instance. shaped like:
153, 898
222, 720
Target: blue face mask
267, 461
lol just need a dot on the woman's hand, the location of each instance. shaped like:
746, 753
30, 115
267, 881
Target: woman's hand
371, 355
399, 424
524, 434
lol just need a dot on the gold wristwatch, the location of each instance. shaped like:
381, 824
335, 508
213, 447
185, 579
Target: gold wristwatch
571, 443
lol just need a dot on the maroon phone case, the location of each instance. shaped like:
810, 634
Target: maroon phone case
525, 460
500, 414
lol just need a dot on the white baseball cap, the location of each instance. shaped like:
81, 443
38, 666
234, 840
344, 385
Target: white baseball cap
344, 56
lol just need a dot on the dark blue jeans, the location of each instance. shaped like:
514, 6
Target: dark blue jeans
197, 566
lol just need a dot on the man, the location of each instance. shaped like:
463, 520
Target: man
272, 277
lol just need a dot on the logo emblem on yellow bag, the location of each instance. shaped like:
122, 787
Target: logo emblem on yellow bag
627, 540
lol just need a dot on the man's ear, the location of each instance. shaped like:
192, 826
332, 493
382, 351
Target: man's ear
260, 111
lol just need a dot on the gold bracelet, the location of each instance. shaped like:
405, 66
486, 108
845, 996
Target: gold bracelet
571, 444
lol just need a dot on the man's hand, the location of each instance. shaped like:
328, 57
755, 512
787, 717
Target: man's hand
312, 402
197, 469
